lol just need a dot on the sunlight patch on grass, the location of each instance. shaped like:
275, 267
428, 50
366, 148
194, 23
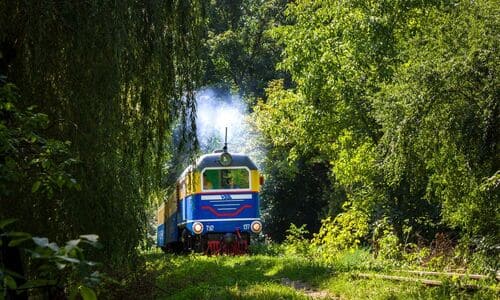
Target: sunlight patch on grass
274, 270
348, 286
266, 291
260, 277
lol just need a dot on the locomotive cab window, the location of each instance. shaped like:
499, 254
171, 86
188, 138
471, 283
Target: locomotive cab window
226, 179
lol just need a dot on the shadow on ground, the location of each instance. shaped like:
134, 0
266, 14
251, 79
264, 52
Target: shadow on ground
226, 277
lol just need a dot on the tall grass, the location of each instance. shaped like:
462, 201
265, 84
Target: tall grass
261, 276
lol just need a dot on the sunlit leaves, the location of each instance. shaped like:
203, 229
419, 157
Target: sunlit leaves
355, 164
437, 113
87, 294
345, 231
403, 103
91, 238
41, 241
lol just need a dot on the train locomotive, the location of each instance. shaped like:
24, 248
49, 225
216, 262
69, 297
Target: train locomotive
214, 207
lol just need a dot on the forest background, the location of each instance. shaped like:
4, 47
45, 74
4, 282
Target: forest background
379, 119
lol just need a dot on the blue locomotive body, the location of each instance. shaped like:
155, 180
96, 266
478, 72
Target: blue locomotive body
214, 202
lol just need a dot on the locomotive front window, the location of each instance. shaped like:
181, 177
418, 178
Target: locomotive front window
226, 179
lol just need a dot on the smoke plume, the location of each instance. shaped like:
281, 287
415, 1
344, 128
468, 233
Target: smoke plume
215, 112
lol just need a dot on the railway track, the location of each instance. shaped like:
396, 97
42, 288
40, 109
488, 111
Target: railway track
314, 293
435, 282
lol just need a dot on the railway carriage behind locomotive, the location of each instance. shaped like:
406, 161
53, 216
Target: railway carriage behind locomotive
214, 208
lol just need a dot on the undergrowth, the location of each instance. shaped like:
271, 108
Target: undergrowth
258, 276
328, 266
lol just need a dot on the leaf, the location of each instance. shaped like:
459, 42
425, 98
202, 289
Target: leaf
34, 254
37, 283
60, 266
54, 247
4, 223
90, 237
95, 274
14, 274
17, 242
68, 259
41, 241
35, 186
73, 292
72, 244
96, 277
10, 282
17, 234
10, 163
90, 263
87, 293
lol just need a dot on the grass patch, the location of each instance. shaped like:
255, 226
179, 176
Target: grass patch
260, 277
348, 286
227, 277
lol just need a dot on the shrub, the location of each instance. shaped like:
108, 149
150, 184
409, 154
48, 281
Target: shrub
296, 242
59, 271
415, 255
386, 244
344, 232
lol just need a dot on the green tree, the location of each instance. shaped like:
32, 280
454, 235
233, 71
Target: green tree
440, 113
112, 77
298, 180
241, 55
400, 99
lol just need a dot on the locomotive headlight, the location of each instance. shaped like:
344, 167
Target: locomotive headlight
197, 227
256, 226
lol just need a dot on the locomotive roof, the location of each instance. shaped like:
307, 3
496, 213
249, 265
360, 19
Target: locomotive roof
212, 160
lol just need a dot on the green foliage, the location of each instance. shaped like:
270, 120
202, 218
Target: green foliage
386, 242
344, 232
415, 256
284, 119
50, 266
232, 277
273, 277
113, 78
296, 241
297, 181
264, 245
352, 287
439, 103
399, 98
479, 254
34, 170
241, 55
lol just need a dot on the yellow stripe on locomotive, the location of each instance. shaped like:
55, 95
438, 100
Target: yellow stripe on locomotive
191, 183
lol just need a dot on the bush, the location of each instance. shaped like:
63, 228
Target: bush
386, 244
414, 255
262, 244
59, 271
342, 233
296, 242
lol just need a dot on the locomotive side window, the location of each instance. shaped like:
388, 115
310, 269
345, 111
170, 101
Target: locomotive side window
226, 179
